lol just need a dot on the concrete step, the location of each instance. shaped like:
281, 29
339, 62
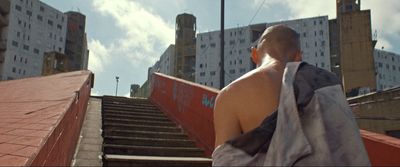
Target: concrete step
145, 134
124, 160
139, 122
152, 150
134, 107
138, 117
118, 126
139, 141
129, 104
135, 113
106, 108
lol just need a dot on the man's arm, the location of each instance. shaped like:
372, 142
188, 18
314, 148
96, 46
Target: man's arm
226, 124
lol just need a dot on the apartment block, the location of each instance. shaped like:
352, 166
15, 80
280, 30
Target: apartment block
76, 43
54, 63
355, 47
185, 47
34, 28
387, 67
314, 38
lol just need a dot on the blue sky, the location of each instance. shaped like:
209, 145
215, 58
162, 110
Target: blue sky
125, 37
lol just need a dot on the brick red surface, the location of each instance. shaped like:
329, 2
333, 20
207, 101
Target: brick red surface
41, 117
189, 104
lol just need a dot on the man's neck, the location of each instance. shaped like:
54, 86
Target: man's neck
269, 62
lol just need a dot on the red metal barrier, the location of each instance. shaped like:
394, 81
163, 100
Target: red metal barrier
188, 104
382, 150
191, 106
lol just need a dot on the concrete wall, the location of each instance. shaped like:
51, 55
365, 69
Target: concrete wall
378, 112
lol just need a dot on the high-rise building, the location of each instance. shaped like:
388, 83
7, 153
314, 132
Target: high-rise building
167, 60
4, 21
134, 89
54, 63
34, 28
76, 43
387, 67
314, 39
355, 47
185, 47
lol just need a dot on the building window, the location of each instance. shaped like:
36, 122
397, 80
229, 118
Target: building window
41, 8
322, 64
315, 33
322, 53
240, 51
232, 42
212, 73
15, 43
387, 66
316, 54
380, 65
394, 68
23, 72
323, 43
241, 62
242, 70
20, 59
202, 74
59, 26
304, 34
212, 45
15, 57
17, 7
203, 46
321, 32
26, 61
242, 41
26, 47
233, 71
201, 66
18, 34
212, 84
29, 13
320, 22
315, 44
315, 23
39, 17
36, 51
50, 22
14, 69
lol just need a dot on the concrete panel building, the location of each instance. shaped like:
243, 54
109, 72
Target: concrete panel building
314, 38
76, 43
185, 47
387, 67
34, 28
166, 62
4, 21
356, 47
54, 63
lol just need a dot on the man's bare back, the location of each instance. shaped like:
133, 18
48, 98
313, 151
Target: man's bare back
245, 103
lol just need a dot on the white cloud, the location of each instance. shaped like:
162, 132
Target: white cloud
99, 56
145, 32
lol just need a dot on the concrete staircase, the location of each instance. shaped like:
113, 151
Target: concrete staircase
136, 133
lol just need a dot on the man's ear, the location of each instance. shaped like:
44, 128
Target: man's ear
299, 56
254, 55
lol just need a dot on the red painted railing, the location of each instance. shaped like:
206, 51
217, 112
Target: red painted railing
191, 106
188, 104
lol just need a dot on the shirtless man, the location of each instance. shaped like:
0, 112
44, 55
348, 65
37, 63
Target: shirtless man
245, 103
